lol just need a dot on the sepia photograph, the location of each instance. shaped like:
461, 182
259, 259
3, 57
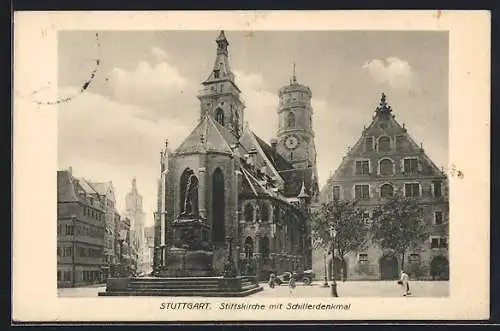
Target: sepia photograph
292, 163
266, 170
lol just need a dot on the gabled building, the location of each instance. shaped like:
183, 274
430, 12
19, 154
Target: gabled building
80, 232
235, 188
386, 160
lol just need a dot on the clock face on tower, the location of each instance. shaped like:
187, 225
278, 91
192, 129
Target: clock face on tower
291, 142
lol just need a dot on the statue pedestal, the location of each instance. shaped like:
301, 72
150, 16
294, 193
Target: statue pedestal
191, 255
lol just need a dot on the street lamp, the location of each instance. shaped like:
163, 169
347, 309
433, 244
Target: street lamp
325, 284
333, 234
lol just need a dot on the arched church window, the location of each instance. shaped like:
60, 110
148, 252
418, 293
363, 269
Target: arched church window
386, 167
386, 190
248, 213
264, 212
291, 120
384, 144
219, 116
188, 193
264, 247
218, 207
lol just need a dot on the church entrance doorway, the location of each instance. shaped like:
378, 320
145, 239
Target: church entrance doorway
389, 267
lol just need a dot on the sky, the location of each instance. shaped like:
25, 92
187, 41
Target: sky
145, 86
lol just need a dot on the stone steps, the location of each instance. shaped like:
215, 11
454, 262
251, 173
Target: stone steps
166, 293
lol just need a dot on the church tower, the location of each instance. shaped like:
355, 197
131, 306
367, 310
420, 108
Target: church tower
295, 131
220, 97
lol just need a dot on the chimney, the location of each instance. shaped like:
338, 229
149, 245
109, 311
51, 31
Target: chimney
274, 143
70, 170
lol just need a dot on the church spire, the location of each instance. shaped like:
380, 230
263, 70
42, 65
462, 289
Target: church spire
221, 70
222, 43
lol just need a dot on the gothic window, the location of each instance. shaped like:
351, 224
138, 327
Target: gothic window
218, 206
264, 212
248, 213
219, 116
386, 190
384, 144
188, 193
291, 120
386, 167
264, 247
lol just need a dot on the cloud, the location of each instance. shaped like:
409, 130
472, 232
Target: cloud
152, 84
159, 54
395, 72
106, 140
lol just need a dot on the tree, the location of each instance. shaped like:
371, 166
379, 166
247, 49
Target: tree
347, 219
399, 224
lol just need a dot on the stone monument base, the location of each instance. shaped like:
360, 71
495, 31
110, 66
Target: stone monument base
239, 286
182, 262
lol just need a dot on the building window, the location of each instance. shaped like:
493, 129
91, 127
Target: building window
362, 167
384, 144
216, 73
410, 165
414, 258
362, 192
59, 229
67, 276
291, 120
218, 207
386, 167
438, 217
363, 258
70, 229
439, 242
219, 116
58, 251
400, 142
264, 212
386, 190
412, 190
248, 213
369, 144
59, 276
436, 185
336, 192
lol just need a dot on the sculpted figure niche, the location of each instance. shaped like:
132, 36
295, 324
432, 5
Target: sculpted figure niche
189, 195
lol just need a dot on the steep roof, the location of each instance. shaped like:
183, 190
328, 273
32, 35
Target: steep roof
274, 158
207, 136
66, 187
384, 123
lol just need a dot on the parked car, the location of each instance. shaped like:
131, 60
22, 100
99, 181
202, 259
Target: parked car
305, 276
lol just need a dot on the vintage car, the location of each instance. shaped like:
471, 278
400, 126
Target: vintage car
304, 276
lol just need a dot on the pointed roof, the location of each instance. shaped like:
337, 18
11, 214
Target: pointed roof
222, 37
303, 193
207, 136
221, 69
383, 112
66, 191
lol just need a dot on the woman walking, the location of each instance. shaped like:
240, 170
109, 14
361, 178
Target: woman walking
405, 283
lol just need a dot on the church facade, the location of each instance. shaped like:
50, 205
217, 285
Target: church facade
226, 192
384, 161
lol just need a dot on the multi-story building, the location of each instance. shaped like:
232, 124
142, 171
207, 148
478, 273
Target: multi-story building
225, 187
80, 232
385, 161
107, 192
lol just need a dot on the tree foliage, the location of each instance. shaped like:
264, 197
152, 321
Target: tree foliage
399, 224
348, 220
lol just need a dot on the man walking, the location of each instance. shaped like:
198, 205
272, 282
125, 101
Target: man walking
405, 283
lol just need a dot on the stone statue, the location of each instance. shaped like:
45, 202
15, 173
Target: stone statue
191, 198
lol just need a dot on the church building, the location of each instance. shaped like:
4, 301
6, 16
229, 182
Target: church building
384, 161
227, 192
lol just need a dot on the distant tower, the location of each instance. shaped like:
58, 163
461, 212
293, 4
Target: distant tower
295, 130
134, 211
220, 97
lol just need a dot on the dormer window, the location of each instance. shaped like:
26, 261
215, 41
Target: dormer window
216, 73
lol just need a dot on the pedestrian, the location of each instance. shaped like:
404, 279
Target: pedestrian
404, 281
272, 279
291, 283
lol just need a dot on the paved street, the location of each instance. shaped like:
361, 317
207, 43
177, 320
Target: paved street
345, 289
